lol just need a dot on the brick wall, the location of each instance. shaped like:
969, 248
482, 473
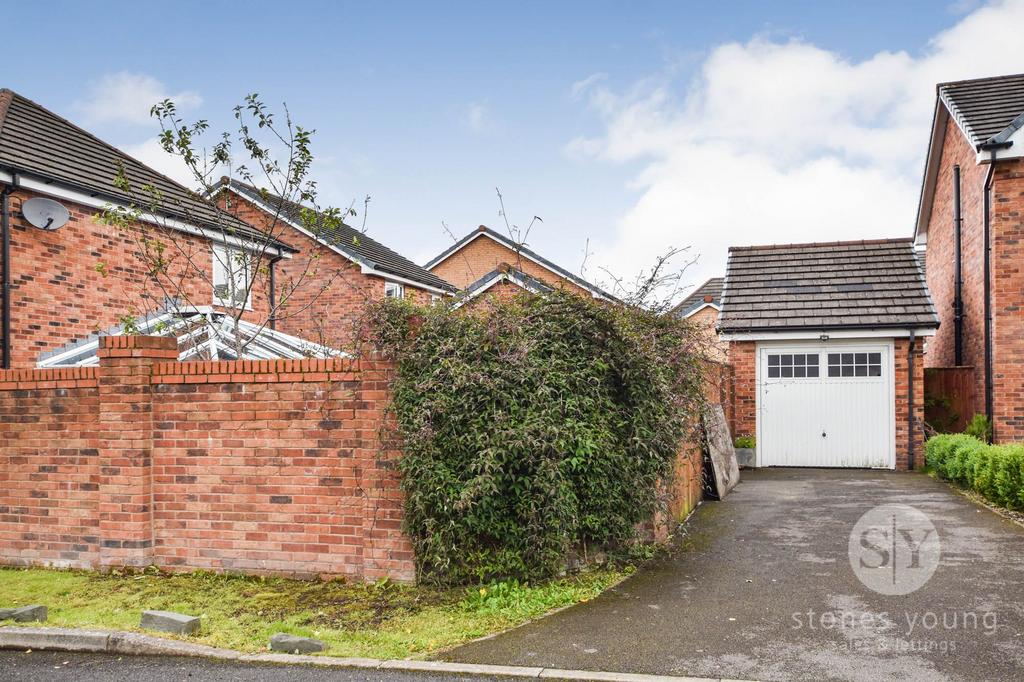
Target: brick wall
256, 466
273, 466
326, 291
743, 358
483, 255
940, 259
1007, 293
59, 294
1008, 301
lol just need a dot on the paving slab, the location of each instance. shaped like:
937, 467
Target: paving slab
168, 621
761, 587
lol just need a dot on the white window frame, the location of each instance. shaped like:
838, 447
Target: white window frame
393, 290
223, 258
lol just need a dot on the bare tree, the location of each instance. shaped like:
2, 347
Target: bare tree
270, 153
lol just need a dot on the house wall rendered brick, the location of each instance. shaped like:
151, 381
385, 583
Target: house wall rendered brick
940, 259
706, 320
1007, 294
483, 255
743, 358
326, 292
1008, 301
60, 295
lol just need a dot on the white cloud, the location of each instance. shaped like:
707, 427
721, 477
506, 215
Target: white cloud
784, 141
128, 97
580, 87
478, 118
153, 155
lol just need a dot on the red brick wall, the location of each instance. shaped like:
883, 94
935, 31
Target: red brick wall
483, 255
49, 467
257, 466
940, 259
1007, 228
60, 296
1008, 301
743, 357
327, 293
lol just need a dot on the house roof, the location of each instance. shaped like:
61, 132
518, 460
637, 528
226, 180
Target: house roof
987, 109
834, 285
504, 273
351, 242
35, 141
697, 298
523, 251
202, 333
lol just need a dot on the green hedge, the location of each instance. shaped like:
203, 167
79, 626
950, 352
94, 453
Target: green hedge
535, 427
994, 471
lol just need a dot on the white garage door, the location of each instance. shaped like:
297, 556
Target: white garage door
826, 405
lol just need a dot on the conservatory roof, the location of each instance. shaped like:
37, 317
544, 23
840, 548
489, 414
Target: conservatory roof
203, 334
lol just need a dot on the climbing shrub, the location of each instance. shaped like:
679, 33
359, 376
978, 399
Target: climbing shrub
534, 427
995, 472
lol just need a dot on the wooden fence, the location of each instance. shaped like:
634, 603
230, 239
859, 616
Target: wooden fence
948, 398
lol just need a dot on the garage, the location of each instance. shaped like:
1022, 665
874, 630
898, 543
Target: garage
826, 344
814, 401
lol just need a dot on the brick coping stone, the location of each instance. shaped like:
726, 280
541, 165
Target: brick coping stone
69, 639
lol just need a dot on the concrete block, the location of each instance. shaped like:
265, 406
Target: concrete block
24, 614
293, 644
168, 621
54, 639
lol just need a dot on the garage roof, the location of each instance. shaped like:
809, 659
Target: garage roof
834, 285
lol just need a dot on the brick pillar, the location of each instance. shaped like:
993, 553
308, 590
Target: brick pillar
387, 551
126, 446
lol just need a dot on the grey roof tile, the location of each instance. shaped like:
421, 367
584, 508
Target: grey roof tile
345, 238
985, 107
835, 285
696, 299
36, 141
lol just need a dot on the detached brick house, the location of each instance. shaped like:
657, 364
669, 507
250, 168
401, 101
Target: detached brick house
826, 344
487, 261
970, 224
64, 285
348, 267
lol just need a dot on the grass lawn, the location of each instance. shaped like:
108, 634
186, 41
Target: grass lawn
381, 620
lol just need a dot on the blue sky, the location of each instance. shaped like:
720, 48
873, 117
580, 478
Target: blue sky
621, 123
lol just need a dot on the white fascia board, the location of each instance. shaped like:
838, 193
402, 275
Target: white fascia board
27, 182
503, 277
706, 305
367, 267
894, 333
1014, 151
510, 245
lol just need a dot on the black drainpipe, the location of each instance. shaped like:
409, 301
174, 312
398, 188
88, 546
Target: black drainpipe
910, 402
5, 263
958, 281
273, 293
991, 148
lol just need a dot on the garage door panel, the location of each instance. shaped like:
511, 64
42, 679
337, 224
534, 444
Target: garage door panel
825, 405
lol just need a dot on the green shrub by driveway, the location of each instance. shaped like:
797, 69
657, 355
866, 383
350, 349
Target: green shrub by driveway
996, 472
534, 428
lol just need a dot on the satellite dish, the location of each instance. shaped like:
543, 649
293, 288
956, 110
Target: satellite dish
46, 214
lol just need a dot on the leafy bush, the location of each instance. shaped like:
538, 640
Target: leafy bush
540, 425
980, 428
745, 442
994, 471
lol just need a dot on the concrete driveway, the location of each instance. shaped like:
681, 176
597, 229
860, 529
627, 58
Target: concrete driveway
761, 587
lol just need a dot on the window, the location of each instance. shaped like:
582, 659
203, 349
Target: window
232, 277
855, 364
793, 366
393, 290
